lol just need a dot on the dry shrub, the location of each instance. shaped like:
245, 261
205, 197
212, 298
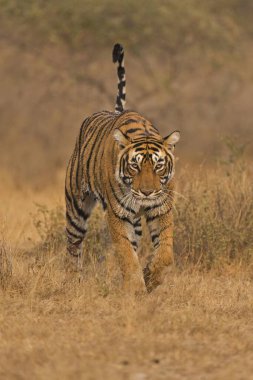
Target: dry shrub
50, 227
214, 222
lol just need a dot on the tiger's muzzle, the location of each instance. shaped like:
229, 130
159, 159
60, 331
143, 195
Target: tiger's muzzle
146, 184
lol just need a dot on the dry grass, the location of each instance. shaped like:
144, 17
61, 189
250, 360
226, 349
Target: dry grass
57, 323
214, 220
197, 326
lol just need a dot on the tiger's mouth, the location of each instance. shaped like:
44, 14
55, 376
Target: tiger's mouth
146, 194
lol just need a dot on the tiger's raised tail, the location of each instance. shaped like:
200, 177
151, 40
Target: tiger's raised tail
118, 56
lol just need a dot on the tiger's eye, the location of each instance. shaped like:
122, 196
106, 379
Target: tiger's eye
135, 166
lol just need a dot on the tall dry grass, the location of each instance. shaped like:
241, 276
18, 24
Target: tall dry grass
62, 321
214, 222
213, 229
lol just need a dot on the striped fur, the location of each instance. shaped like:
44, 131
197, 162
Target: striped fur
118, 56
121, 160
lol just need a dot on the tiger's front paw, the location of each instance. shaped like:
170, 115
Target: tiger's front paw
152, 279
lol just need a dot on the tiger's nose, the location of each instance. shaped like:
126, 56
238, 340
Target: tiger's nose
146, 191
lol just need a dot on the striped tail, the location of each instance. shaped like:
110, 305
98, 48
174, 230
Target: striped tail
118, 56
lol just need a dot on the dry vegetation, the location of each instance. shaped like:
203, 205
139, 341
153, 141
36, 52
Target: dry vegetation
59, 320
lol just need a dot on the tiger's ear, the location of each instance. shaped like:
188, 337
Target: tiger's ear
121, 139
171, 140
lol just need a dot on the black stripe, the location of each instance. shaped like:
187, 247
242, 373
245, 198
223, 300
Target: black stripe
119, 200
139, 233
154, 237
85, 124
129, 121
74, 155
132, 130
140, 143
137, 223
107, 129
74, 225
121, 72
156, 143
117, 53
95, 148
100, 125
157, 244
151, 218
122, 82
90, 137
150, 208
80, 212
123, 218
147, 141
134, 244
73, 235
67, 195
102, 200
72, 165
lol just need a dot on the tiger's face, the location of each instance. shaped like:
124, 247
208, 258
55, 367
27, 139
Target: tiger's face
146, 167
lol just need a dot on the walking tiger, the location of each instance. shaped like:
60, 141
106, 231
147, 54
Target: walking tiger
122, 161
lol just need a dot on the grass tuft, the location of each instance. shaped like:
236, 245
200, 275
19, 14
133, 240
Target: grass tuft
5, 265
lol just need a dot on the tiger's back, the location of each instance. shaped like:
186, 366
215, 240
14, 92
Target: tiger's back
93, 163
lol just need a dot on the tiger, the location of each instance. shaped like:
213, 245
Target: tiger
121, 161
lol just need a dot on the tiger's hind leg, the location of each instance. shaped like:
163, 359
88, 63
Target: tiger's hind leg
77, 214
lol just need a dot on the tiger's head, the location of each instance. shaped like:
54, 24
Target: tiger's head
146, 166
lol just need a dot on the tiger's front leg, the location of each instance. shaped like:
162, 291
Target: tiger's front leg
123, 237
161, 231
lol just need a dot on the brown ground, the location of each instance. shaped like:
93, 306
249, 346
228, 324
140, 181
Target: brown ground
196, 326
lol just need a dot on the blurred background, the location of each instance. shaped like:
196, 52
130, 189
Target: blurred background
189, 67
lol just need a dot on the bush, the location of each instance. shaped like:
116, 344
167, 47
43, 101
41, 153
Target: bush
214, 222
